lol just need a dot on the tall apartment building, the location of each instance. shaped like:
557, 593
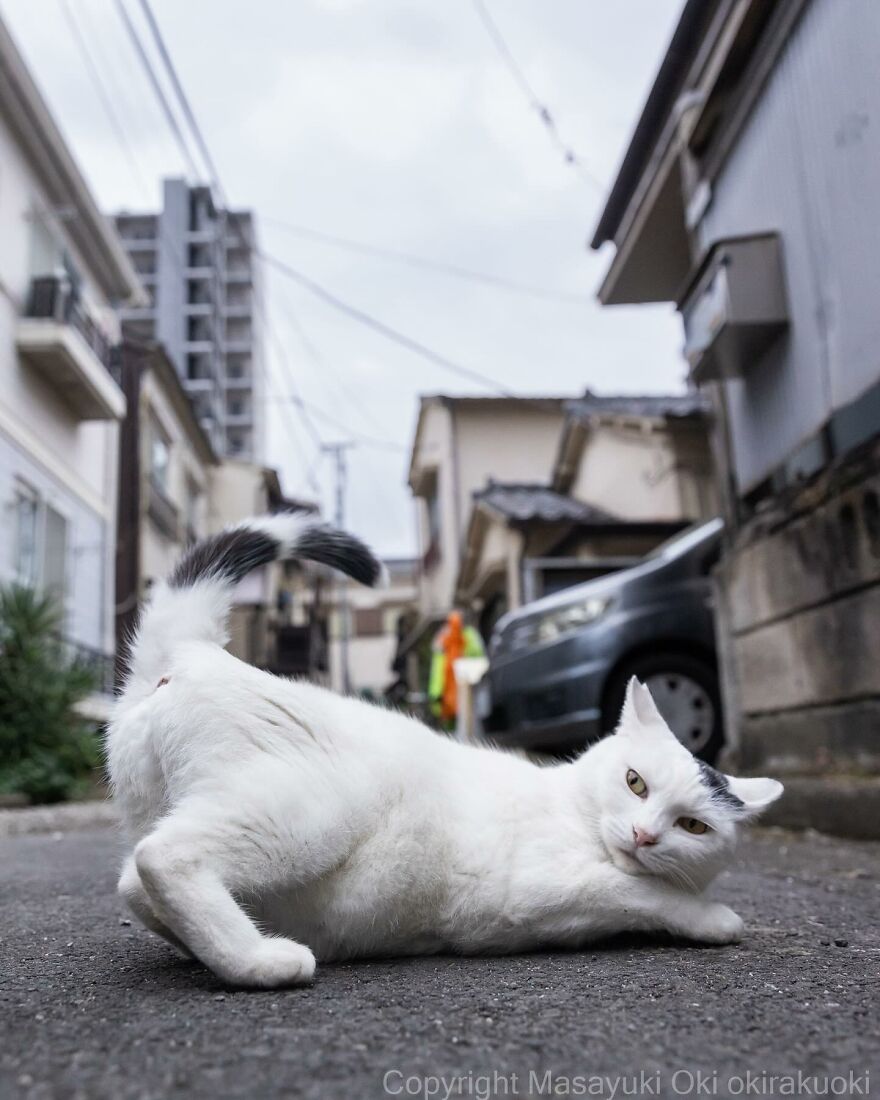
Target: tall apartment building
198, 265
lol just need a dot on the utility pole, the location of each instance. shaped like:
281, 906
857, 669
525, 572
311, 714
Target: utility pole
340, 583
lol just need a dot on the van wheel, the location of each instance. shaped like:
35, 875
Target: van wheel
685, 690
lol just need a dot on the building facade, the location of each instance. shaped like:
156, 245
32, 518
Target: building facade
165, 480
375, 617
744, 196
199, 265
63, 273
628, 472
460, 444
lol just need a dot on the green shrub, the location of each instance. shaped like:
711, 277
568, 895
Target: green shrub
47, 750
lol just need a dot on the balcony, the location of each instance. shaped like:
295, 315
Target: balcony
200, 383
199, 309
234, 310
58, 339
239, 275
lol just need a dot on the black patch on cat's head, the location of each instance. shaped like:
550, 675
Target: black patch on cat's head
718, 786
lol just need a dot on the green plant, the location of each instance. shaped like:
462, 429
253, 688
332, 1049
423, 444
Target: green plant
47, 750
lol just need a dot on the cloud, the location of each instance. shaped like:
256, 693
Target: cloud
394, 123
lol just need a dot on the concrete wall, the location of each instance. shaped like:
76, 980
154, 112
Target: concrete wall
801, 604
646, 474
806, 165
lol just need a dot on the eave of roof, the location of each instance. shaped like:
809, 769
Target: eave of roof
695, 18
531, 503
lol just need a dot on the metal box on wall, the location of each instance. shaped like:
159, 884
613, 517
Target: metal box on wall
735, 307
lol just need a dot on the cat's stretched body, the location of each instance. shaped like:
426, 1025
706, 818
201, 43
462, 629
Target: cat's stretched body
273, 821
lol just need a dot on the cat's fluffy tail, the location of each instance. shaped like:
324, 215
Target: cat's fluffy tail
193, 603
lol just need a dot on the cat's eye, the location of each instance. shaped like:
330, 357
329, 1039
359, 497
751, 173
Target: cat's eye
636, 784
693, 826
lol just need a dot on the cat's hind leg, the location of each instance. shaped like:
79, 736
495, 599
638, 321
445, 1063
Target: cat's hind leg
190, 868
131, 889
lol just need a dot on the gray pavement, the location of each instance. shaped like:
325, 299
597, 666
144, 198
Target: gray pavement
94, 1007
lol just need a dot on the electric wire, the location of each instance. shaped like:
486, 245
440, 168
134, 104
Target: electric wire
543, 111
100, 89
424, 262
156, 86
371, 322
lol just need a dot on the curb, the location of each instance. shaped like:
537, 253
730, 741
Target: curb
836, 806
67, 817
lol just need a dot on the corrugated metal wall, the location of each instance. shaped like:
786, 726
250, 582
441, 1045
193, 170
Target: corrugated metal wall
807, 165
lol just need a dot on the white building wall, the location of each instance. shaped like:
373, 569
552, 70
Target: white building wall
69, 464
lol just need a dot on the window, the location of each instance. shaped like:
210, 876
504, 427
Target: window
40, 543
55, 553
26, 509
432, 504
160, 457
368, 622
193, 500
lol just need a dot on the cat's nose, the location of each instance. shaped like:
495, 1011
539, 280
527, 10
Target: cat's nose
642, 836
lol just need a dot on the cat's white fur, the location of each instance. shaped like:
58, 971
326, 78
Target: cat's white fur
273, 822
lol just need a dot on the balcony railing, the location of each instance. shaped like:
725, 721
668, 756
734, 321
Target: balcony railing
100, 664
53, 298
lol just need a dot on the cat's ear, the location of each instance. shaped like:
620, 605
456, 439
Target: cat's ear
639, 708
755, 794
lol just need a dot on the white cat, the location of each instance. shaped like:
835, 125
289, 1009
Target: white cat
273, 821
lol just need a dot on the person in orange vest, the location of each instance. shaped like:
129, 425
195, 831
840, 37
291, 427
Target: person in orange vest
454, 640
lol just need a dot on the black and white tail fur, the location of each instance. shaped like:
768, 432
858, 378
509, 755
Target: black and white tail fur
193, 603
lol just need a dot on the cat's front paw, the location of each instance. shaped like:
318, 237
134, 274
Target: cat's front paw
718, 925
276, 963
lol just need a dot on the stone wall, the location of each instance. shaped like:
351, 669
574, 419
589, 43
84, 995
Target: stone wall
799, 614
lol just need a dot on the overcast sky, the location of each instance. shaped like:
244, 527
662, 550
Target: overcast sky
394, 123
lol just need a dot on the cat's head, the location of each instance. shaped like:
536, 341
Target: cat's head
664, 812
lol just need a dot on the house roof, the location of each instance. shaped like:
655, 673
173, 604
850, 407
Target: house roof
531, 402
659, 406
524, 502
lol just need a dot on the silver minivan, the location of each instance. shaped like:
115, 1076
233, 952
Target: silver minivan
559, 666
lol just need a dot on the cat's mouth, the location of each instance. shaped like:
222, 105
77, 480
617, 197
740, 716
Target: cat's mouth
627, 859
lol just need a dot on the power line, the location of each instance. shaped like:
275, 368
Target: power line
376, 325
216, 183
103, 95
181, 95
192, 122
353, 436
543, 111
426, 263
304, 280
325, 369
147, 65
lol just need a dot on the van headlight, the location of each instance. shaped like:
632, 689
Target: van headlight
565, 620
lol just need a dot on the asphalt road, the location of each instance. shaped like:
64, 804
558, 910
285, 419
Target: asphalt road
93, 1007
